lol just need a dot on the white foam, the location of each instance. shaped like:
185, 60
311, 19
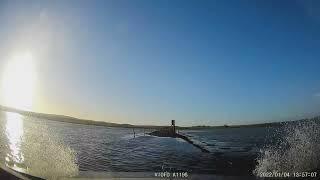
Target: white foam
297, 150
44, 154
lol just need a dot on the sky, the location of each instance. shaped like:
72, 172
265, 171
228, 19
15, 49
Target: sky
147, 62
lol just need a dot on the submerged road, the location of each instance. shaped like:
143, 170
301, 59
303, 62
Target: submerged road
170, 133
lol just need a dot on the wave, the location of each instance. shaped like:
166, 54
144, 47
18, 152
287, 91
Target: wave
296, 148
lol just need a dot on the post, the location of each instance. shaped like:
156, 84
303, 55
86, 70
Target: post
134, 133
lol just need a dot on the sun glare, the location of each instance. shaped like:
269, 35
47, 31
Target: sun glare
18, 81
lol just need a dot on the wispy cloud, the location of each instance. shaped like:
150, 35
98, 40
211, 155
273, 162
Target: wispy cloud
317, 94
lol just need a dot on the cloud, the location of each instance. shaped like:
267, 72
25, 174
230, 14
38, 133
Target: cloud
317, 94
43, 15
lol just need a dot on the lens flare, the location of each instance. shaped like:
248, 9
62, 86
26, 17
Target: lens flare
18, 82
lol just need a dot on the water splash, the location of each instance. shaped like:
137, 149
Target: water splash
44, 154
296, 149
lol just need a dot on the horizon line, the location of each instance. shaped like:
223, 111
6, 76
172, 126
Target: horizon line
16, 110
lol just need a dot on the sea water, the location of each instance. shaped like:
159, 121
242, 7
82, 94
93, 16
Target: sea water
51, 149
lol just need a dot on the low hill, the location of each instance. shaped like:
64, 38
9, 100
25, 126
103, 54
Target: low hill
68, 119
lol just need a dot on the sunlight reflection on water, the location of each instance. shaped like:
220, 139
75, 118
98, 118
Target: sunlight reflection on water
28, 146
14, 132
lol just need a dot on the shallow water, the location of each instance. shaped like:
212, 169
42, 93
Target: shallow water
48, 149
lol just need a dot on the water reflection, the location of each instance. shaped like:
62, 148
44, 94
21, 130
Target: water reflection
14, 133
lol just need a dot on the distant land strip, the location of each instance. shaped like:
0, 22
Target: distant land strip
68, 119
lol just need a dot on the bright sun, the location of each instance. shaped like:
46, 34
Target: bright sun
18, 81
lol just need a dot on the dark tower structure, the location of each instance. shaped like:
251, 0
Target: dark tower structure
173, 124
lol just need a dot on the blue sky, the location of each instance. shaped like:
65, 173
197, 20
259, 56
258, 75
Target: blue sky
147, 62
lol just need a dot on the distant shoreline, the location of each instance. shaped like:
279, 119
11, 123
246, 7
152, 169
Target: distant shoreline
68, 119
